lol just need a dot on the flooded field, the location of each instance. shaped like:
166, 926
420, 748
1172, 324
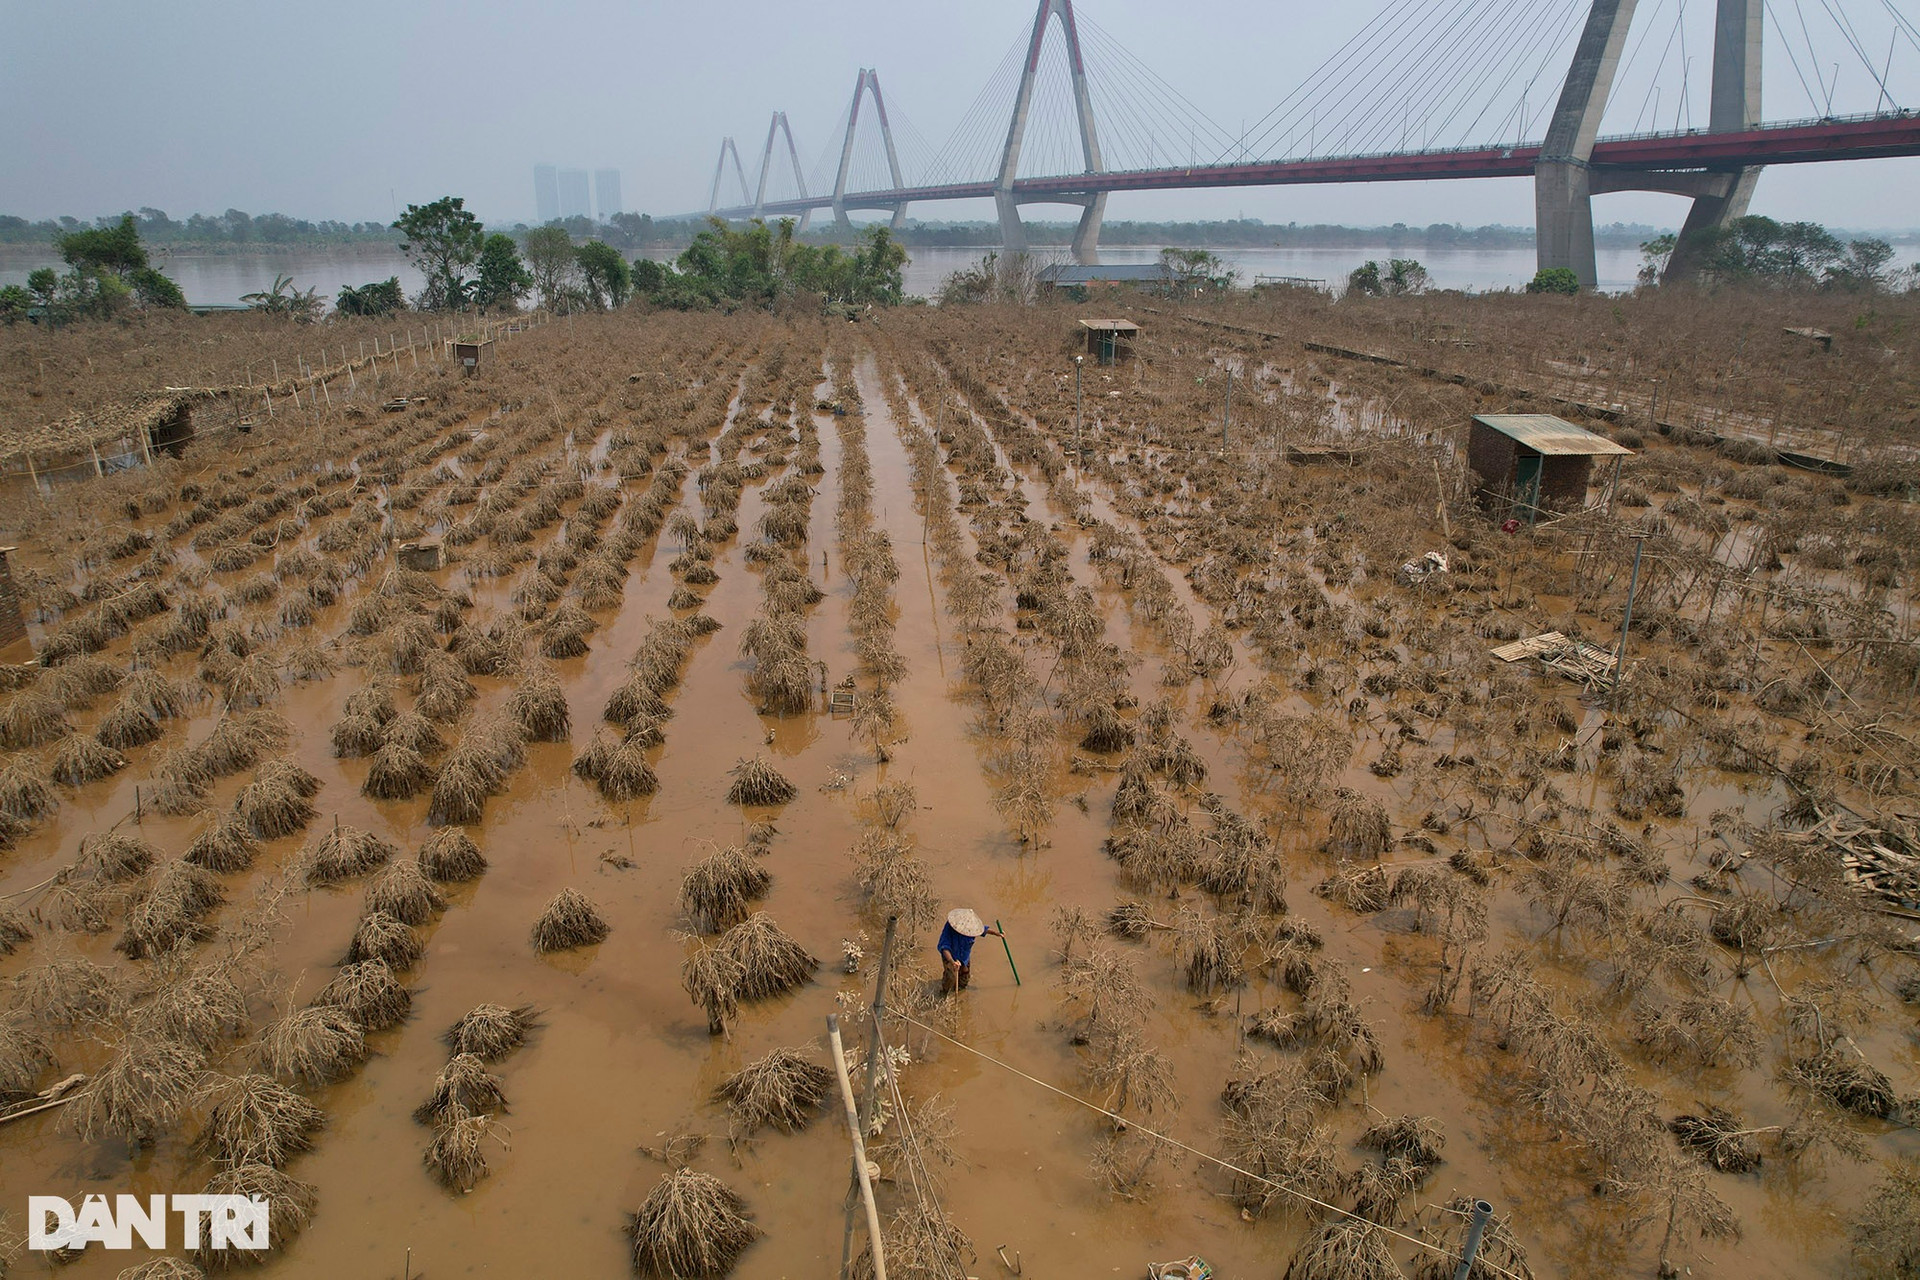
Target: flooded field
461, 909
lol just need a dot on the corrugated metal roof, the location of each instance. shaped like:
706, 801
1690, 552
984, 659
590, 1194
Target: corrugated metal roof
1554, 437
1074, 273
1110, 326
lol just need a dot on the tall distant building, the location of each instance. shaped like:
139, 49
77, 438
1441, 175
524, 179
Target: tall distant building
606, 192
546, 192
574, 202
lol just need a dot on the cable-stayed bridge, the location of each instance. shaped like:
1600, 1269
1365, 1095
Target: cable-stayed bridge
1427, 89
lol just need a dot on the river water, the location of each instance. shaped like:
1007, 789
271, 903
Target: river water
210, 278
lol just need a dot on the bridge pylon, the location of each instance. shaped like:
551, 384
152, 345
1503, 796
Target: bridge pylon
1093, 205
780, 125
1562, 177
1735, 106
719, 169
1565, 182
869, 81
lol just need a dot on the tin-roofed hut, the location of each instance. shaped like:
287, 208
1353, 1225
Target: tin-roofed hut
1109, 340
1534, 462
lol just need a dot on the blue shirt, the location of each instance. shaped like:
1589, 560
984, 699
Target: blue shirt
956, 944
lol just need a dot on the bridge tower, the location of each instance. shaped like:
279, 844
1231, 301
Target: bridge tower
1562, 180
1013, 235
1722, 197
1564, 183
719, 169
869, 80
779, 125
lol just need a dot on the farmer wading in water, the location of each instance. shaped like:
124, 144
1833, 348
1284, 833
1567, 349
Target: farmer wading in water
956, 947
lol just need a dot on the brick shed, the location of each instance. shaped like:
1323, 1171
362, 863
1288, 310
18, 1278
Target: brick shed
13, 628
1534, 462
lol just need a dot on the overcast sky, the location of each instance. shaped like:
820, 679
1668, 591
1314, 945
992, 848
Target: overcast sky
345, 110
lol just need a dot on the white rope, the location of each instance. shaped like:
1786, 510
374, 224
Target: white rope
1230, 1167
917, 1171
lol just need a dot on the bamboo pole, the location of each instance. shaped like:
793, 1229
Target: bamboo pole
867, 1099
859, 1150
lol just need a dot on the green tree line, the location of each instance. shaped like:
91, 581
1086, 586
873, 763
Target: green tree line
108, 273
235, 228
1757, 250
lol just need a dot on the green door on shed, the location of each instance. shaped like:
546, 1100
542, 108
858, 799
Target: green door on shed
1526, 486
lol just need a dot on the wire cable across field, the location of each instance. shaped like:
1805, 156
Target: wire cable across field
1136, 1127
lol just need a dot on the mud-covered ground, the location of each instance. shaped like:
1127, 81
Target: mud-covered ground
1324, 917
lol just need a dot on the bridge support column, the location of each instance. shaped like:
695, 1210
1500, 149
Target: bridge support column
780, 125
1562, 183
1086, 233
720, 167
1735, 106
1086, 236
869, 80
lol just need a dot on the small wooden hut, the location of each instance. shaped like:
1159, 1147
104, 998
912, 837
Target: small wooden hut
1109, 340
468, 353
1534, 462
13, 626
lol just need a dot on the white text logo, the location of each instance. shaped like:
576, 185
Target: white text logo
225, 1222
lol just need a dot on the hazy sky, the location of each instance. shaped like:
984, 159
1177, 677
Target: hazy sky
343, 110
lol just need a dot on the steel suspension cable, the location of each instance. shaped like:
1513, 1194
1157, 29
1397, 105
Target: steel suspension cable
1846, 30
1550, 54
1414, 68
1408, 66
1338, 90
1281, 112
1426, 91
1500, 77
1786, 43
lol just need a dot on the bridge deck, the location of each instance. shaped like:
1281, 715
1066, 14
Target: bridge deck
1800, 142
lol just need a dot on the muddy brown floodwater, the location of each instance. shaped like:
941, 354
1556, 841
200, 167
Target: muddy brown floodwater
1386, 875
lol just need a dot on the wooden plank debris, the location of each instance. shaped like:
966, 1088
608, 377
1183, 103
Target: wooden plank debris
1879, 861
1530, 647
1577, 660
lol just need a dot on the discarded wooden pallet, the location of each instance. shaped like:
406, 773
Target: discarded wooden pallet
1575, 659
1530, 647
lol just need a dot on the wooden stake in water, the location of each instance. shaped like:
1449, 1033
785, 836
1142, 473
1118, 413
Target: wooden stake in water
1626, 622
863, 1115
859, 1154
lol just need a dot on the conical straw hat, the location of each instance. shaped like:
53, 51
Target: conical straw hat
965, 921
